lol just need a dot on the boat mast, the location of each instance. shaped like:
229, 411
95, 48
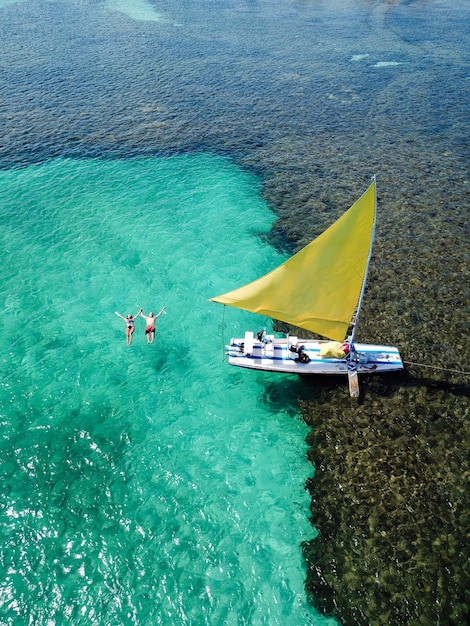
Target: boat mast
358, 309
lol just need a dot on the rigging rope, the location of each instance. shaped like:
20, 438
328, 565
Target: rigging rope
223, 337
436, 367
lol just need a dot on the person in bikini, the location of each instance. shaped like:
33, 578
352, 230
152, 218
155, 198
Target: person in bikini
130, 325
150, 324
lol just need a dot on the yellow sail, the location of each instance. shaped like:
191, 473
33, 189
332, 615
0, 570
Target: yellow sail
319, 287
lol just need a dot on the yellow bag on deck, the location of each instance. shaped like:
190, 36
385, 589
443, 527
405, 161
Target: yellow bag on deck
332, 350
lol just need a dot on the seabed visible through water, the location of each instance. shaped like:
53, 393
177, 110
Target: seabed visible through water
161, 154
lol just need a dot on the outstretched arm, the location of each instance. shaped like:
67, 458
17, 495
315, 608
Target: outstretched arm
119, 315
139, 313
162, 311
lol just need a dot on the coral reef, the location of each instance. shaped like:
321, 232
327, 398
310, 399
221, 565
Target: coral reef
390, 498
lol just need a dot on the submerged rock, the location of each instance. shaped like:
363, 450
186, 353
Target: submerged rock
390, 498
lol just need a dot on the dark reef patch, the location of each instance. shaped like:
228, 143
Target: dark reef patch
390, 497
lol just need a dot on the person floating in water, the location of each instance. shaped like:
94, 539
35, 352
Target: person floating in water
130, 325
150, 324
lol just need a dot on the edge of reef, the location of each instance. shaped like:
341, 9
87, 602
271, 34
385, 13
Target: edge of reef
390, 492
390, 500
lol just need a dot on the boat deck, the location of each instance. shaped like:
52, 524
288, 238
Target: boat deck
275, 355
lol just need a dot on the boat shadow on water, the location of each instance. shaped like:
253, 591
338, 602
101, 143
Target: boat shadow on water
385, 386
378, 385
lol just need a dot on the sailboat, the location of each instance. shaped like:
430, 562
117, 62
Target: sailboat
319, 289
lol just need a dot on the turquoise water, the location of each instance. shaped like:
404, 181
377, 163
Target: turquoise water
150, 153
142, 484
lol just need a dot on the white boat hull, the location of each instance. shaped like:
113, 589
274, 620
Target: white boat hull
275, 356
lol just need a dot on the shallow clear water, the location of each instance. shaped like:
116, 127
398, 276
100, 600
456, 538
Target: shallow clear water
152, 484
155, 484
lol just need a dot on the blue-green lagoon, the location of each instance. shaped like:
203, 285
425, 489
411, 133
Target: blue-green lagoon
143, 484
160, 153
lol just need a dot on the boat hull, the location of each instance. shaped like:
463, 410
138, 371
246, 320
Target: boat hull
276, 356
